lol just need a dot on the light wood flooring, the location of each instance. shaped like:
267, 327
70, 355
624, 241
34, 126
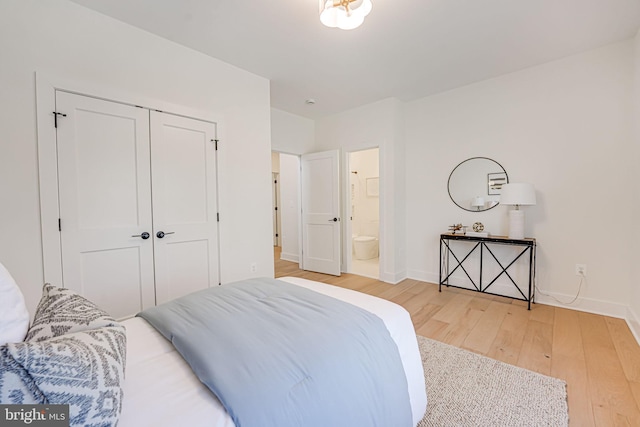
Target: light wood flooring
596, 355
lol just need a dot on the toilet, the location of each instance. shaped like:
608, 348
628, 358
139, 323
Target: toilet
365, 247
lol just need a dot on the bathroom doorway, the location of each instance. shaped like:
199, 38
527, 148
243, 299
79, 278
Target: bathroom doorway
364, 212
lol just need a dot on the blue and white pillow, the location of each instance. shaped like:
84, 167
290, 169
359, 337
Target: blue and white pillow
62, 311
83, 367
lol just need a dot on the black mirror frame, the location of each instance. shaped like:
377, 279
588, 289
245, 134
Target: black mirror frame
458, 165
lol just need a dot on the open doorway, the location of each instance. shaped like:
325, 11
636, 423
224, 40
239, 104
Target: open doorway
287, 200
364, 212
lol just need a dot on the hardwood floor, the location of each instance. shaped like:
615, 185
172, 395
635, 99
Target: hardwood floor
596, 355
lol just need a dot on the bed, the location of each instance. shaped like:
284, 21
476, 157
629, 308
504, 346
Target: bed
160, 388
153, 400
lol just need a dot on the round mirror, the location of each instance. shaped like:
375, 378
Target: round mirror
474, 185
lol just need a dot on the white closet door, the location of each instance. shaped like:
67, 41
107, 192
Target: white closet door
183, 166
321, 212
105, 200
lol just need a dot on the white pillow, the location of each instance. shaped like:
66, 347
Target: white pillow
14, 317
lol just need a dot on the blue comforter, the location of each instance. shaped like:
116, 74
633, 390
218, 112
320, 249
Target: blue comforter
279, 355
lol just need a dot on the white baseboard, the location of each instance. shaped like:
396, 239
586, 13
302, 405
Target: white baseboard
289, 257
634, 323
393, 278
588, 305
423, 276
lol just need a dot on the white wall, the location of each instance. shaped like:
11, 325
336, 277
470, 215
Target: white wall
375, 125
290, 206
564, 126
291, 133
61, 38
634, 300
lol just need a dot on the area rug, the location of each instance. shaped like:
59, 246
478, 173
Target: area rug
467, 389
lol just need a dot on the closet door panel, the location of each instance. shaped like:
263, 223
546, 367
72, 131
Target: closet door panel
186, 268
184, 205
104, 192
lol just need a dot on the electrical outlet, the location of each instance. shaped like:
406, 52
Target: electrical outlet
581, 270
253, 267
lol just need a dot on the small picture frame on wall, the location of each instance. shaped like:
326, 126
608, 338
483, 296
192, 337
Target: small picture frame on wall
373, 187
495, 181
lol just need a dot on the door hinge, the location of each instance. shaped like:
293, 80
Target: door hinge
59, 224
55, 118
218, 216
216, 141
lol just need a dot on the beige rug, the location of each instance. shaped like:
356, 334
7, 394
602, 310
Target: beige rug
467, 389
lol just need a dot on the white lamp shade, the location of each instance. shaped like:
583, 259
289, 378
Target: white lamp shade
518, 194
477, 202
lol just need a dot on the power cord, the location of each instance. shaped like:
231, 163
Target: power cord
582, 278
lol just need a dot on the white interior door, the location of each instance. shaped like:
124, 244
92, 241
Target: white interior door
105, 201
185, 228
321, 212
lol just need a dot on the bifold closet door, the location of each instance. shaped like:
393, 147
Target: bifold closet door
104, 190
185, 230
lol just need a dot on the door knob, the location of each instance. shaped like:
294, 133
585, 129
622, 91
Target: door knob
143, 236
161, 234
333, 220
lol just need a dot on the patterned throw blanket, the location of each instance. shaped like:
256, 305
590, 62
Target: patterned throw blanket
279, 355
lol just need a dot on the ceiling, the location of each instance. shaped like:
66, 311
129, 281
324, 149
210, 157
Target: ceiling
406, 49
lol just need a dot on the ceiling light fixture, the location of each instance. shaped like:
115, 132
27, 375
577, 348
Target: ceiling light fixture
344, 14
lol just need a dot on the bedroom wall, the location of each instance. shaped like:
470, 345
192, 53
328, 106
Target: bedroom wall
566, 127
634, 300
291, 133
375, 125
61, 38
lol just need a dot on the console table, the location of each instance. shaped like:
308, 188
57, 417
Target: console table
483, 245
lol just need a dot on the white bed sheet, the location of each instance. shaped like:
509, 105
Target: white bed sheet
161, 390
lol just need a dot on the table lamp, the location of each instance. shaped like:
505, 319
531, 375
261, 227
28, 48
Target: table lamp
517, 194
477, 202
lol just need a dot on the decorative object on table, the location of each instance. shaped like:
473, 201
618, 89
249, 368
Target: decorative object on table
468, 181
457, 229
478, 228
478, 203
517, 194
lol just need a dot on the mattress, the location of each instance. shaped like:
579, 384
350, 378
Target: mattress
161, 389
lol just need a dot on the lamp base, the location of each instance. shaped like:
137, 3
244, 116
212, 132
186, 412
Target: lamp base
516, 224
